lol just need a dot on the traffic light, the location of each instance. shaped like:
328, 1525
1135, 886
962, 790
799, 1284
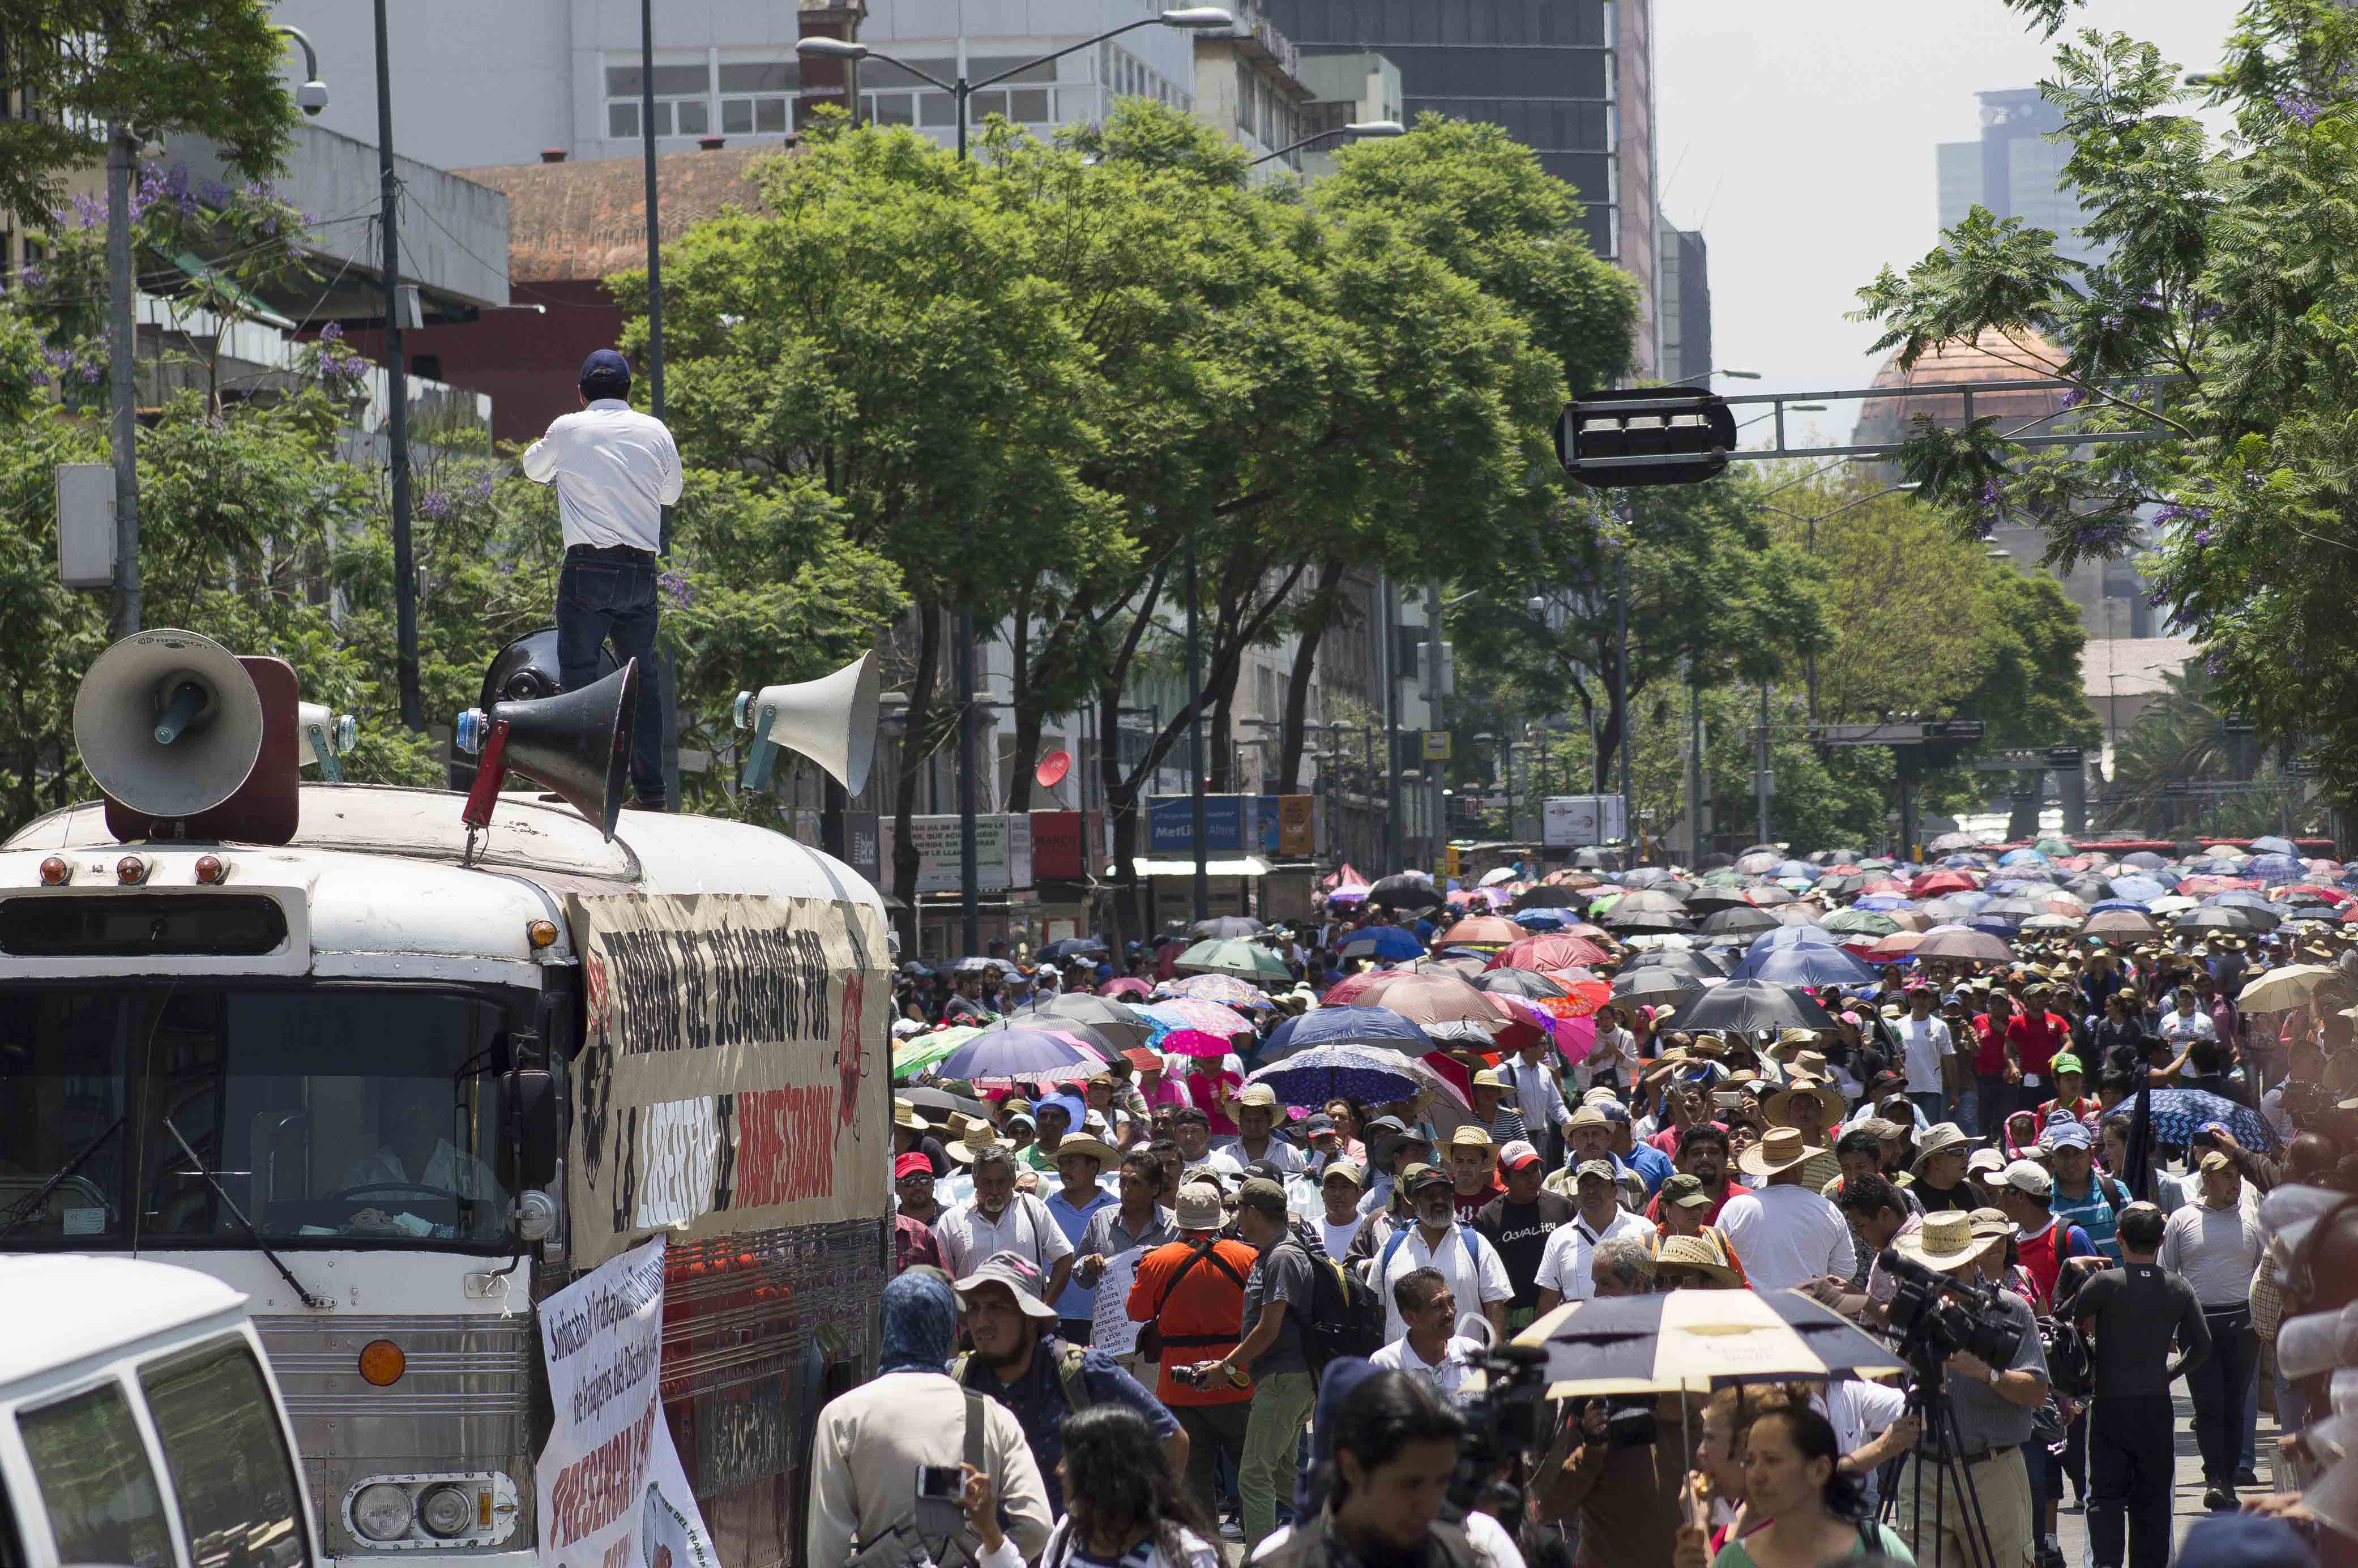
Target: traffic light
1644, 436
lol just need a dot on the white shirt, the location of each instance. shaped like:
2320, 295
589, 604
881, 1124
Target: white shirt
615, 469
1219, 1158
1536, 1094
2218, 1250
1860, 1412
1475, 1280
1493, 1547
1024, 1228
1787, 1236
1337, 1238
1457, 1359
1614, 1056
446, 1170
1281, 1154
1923, 1043
1565, 1264
2179, 1028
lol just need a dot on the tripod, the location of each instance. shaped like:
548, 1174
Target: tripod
1938, 1444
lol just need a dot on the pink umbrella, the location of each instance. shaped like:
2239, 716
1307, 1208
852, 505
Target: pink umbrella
1575, 1038
1128, 986
1225, 989
1194, 1042
1187, 1012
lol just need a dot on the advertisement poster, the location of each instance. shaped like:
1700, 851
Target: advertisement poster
722, 1084
611, 1490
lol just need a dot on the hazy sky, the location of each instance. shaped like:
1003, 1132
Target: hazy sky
1798, 135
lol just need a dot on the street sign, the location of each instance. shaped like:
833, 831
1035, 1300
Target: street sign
2301, 767
1954, 730
1449, 861
1644, 436
2065, 756
2236, 724
1436, 745
1871, 735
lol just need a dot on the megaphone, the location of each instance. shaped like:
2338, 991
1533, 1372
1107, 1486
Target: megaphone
577, 743
831, 720
169, 724
325, 735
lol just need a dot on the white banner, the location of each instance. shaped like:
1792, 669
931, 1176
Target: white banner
1111, 1328
610, 1489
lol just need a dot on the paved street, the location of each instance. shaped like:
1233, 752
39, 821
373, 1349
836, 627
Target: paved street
2072, 1524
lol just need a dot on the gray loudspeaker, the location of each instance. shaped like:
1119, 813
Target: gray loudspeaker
831, 720
169, 724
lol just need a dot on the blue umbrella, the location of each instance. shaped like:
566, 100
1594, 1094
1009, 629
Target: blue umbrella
2269, 844
1972, 899
2138, 889
1541, 919
1316, 1074
1882, 901
2241, 898
1996, 924
1375, 1027
1796, 869
2277, 869
2006, 886
2179, 1113
2021, 857
1795, 937
1805, 966
1000, 1054
1069, 947
1387, 942
2103, 904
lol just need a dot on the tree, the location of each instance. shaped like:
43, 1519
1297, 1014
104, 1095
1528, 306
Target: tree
2229, 288
209, 67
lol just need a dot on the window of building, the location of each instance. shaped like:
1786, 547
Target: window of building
683, 100
754, 96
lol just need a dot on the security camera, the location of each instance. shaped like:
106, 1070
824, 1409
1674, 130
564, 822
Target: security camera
311, 97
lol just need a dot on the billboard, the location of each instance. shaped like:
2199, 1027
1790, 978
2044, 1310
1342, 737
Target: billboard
1282, 825
1064, 845
1569, 821
1003, 844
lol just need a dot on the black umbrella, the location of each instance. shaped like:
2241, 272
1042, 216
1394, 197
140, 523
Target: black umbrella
1642, 919
941, 1100
1655, 986
1406, 890
1752, 1005
1548, 897
1064, 950
1686, 960
1117, 1022
1658, 901
2218, 917
2089, 887
1596, 860
1740, 920
1518, 982
1647, 877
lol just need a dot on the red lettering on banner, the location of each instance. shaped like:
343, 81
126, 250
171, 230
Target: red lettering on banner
848, 1045
597, 1488
785, 1146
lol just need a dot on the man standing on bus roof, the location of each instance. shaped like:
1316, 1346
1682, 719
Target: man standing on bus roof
615, 469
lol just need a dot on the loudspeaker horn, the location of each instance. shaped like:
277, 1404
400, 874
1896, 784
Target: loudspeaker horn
169, 724
326, 735
831, 720
577, 743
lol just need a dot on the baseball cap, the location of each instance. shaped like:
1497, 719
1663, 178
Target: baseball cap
1597, 1168
1198, 1207
605, 365
1421, 1174
1984, 1159
1517, 1154
2217, 1159
1344, 1169
1313, 1125
1683, 1190
1262, 1194
2068, 1135
2030, 1177
911, 1166
2067, 1063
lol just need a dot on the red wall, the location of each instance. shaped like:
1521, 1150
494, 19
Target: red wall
528, 359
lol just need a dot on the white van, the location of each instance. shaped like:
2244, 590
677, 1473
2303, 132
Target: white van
139, 1424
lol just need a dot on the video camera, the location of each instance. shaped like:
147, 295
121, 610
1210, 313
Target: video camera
1936, 1317
1502, 1421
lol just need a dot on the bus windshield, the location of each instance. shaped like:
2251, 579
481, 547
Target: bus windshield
339, 1116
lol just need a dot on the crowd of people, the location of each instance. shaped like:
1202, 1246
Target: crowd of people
1192, 1289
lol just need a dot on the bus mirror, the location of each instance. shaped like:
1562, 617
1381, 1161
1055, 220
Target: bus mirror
532, 1106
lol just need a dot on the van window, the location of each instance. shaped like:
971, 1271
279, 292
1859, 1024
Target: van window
95, 1482
229, 1470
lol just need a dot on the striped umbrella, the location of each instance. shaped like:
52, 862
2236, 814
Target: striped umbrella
1188, 1012
919, 1052
1694, 1341
1316, 1074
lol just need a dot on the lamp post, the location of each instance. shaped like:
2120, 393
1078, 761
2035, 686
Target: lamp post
396, 397
121, 367
1193, 18
1357, 130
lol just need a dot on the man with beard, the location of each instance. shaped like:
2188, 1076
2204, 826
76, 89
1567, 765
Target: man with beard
1475, 1273
1020, 1361
1565, 1270
1702, 1154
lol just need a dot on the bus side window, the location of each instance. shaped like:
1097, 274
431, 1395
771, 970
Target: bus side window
241, 1504
11, 1545
96, 1484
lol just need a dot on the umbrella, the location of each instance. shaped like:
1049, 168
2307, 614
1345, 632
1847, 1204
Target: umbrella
1760, 863
1557, 950
1226, 925
1368, 1028
1656, 985
1446, 1008
981, 965
2016, 908
1194, 1042
1694, 1341
1805, 967
1236, 957
1064, 950
926, 1100
2121, 923
1770, 896
2269, 844
2140, 889
1897, 945
1225, 989
1657, 920
1124, 986
2178, 1114
2276, 868
1934, 882
1749, 1005
1797, 936
2144, 860
1113, 1019
1389, 943
1518, 982
1501, 874
2050, 924
1457, 961
1548, 898
1187, 1013
1002, 1055
1316, 1074
1406, 890
2212, 917
1742, 921
1541, 919
1685, 960
1481, 931
1961, 942
1858, 922
1653, 899
919, 1052
2281, 991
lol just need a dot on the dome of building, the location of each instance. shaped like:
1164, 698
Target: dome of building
1992, 357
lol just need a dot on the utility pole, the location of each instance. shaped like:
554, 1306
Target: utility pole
396, 397
1694, 771
1195, 744
1433, 717
121, 369
1393, 858
1761, 782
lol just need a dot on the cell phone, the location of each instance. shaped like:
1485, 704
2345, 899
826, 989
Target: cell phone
1727, 1099
941, 1483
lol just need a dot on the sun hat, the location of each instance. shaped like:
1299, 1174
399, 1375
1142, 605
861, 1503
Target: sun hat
1991, 1222
1104, 1153
2029, 1178
1778, 1108
1694, 1252
1488, 1078
1516, 1153
1940, 1136
1472, 1135
973, 1138
904, 1114
1256, 1093
1198, 1207
1781, 1150
1018, 1273
1944, 1243
911, 1165
1589, 1116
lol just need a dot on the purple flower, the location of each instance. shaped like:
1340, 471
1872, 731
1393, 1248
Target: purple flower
480, 487
435, 505
2215, 663
2203, 535
332, 332
2157, 599
676, 587
2305, 111
2073, 398
34, 277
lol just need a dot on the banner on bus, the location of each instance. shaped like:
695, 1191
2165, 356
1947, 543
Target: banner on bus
722, 1084
612, 1491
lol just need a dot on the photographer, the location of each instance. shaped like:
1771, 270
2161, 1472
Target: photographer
1992, 1408
1610, 1465
2131, 1314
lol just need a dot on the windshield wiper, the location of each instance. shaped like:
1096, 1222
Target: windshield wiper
250, 1228
28, 1205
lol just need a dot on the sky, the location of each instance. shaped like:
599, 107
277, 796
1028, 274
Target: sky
1799, 137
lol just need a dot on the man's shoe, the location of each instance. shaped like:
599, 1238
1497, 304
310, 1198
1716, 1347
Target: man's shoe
642, 803
1232, 1530
2217, 1498
2248, 1478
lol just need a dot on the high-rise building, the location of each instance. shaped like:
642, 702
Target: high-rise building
1573, 79
2016, 171
1684, 308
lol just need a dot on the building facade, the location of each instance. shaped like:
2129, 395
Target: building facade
1685, 307
1573, 79
2014, 169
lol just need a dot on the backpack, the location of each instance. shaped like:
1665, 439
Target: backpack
1474, 1244
2071, 1371
1344, 1317
1069, 1365
1151, 1338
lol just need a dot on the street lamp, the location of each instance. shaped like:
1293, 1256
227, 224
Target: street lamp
1357, 130
1190, 18
1708, 375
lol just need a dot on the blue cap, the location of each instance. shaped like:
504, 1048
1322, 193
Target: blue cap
606, 364
2243, 1541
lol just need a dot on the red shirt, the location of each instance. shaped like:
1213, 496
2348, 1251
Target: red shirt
2043, 1258
1654, 1206
2037, 1041
1989, 1047
913, 1242
1468, 1207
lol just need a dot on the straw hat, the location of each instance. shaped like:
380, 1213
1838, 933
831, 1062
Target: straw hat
1938, 1138
1695, 1252
904, 1114
1945, 1242
973, 1138
1777, 1106
1104, 1153
1780, 1150
1471, 1135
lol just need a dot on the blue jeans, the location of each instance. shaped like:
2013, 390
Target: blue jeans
610, 596
1934, 1105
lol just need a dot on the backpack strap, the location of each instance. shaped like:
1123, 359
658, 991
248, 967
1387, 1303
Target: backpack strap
976, 1419
1070, 1366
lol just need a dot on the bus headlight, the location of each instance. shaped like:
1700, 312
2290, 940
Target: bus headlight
382, 1511
447, 1512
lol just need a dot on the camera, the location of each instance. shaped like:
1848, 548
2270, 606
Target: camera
1936, 1317
941, 1483
1502, 1421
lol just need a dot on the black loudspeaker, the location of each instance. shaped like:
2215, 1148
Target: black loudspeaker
577, 743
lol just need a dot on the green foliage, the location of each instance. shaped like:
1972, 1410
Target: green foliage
210, 67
